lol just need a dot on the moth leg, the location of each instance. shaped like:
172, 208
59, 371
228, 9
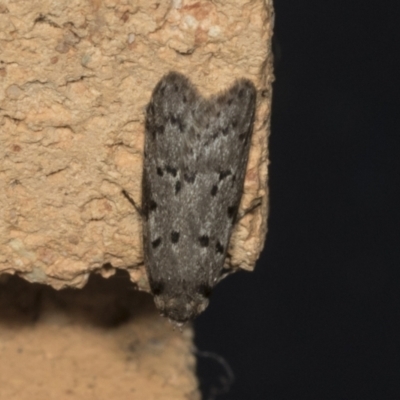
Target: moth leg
129, 198
255, 204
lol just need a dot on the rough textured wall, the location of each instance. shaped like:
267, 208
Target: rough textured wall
74, 80
103, 342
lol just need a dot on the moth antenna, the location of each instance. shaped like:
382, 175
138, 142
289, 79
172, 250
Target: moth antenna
129, 198
225, 381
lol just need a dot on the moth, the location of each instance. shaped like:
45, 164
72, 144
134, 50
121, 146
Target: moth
195, 158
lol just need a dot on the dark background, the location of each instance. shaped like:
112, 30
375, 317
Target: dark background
320, 316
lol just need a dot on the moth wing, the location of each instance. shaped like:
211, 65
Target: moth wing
226, 122
170, 129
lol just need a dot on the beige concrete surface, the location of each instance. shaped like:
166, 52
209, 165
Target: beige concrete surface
105, 341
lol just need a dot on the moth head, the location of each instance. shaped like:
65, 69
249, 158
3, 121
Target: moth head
180, 303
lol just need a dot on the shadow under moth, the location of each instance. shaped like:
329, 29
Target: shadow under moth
195, 160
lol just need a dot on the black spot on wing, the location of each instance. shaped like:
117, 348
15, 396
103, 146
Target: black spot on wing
152, 205
214, 190
232, 212
160, 172
204, 240
171, 170
219, 248
224, 174
156, 243
178, 187
175, 236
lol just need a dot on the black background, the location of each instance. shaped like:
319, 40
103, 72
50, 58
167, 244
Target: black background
320, 316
